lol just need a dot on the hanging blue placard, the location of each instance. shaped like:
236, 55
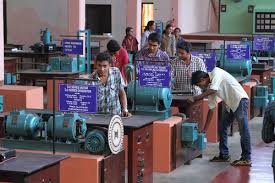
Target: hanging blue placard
77, 98
154, 75
73, 46
208, 58
263, 43
238, 51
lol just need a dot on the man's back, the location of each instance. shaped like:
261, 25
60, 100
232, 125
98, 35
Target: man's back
227, 87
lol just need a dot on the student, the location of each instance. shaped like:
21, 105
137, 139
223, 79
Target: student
150, 28
168, 43
184, 66
111, 96
177, 34
152, 52
119, 55
130, 42
220, 83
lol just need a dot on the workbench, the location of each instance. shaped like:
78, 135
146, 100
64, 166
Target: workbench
10, 64
31, 168
36, 58
139, 129
263, 75
36, 74
198, 112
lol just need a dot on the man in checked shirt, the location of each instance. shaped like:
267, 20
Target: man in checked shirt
184, 66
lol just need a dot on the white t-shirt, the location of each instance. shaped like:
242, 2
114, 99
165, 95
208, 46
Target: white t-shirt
228, 89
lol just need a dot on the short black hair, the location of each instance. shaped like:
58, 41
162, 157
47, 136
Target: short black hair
104, 56
177, 28
197, 76
168, 26
128, 29
184, 45
149, 24
113, 46
155, 37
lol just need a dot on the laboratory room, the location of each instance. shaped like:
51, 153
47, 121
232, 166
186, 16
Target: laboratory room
137, 91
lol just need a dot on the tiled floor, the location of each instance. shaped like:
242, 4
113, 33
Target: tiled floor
202, 171
260, 172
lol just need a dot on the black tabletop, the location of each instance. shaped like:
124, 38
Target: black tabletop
262, 69
181, 97
135, 121
22, 53
38, 72
28, 163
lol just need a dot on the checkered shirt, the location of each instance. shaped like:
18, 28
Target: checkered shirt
108, 93
144, 54
182, 73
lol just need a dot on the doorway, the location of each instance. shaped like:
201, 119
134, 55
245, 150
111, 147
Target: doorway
147, 14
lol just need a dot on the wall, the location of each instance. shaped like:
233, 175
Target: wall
193, 15
1, 44
236, 19
119, 16
25, 18
134, 8
190, 15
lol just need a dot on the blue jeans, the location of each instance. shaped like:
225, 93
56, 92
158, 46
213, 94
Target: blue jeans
241, 115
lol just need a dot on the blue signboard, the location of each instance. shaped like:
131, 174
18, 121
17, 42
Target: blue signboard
77, 98
73, 46
263, 43
154, 75
208, 58
238, 51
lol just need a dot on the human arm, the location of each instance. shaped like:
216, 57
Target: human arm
144, 38
208, 120
208, 92
124, 43
123, 103
174, 49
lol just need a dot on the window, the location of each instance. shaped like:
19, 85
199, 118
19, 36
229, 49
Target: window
265, 22
98, 18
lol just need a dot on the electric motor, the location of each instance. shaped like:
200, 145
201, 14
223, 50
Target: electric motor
68, 126
96, 142
21, 123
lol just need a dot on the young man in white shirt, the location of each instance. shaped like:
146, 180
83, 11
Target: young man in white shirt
220, 83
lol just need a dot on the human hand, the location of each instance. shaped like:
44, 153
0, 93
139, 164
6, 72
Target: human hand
126, 113
190, 99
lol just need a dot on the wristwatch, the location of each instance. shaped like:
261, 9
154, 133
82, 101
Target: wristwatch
125, 110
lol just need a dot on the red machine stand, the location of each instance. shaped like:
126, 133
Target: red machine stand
86, 168
166, 149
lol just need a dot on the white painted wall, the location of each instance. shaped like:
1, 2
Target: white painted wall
25, 18
119, 16
193, 15
163, 10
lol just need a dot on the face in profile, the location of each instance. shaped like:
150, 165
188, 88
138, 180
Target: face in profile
177, 32
203, 84
183, 54
169, 30
153, 27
